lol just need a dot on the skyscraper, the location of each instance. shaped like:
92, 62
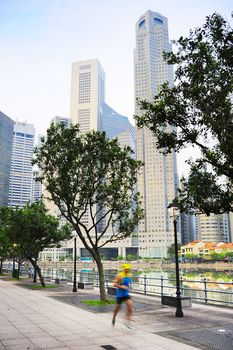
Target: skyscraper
89, 110
61, 120
117, 125
21, 176
87, 94
213, 228
50, 205
6, 137
157, 181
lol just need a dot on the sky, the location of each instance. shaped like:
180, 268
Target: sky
39, 40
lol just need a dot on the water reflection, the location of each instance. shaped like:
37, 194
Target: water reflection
201, 285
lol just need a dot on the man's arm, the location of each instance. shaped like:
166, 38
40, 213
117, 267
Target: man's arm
117, 284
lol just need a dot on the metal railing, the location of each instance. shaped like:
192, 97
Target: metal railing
203, 291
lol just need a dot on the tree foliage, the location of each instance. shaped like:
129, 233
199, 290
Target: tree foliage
4, 246
171, 250
197, 111
29, 230
92, 181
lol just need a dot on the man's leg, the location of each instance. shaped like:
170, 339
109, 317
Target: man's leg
116, 310
129, 305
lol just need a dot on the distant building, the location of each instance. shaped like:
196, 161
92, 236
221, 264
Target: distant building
158, 179
188, 232
188, 225
6, 138
205, 249
50, 205
21, 176
117, 125
114, 123
87, 94
61, 120
213, 228
89, 110
192, 248
36, 190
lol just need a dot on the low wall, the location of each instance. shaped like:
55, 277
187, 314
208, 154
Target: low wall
116, 265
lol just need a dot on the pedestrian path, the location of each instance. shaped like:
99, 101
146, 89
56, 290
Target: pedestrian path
33, 319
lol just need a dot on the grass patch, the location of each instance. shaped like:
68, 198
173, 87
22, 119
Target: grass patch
13, 279
98, 302
46, 287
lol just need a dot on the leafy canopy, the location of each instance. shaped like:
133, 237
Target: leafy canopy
197, 111
90, 175
30, 229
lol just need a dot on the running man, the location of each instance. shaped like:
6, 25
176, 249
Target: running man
123, 282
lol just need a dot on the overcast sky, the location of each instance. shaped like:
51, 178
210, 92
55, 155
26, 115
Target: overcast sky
39, 39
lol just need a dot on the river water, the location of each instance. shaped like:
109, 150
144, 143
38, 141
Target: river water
210, 286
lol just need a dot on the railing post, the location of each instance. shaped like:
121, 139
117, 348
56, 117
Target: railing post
144, 284
161, 286
107, 276
181, 286
205, 290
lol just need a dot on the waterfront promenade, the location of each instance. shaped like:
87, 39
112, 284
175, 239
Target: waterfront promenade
53, 319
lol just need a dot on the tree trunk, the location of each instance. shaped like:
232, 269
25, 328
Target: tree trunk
19, 263
99, 263
38, 270
1, 266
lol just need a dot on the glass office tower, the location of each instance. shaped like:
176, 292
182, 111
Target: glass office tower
6, 137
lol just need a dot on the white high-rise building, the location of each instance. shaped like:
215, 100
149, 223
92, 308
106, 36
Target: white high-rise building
158, 179
87, 94
21, 176
213, 228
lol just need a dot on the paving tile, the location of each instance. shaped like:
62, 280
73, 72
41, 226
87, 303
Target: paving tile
10, 335
63, 348
15, 342
78, 342
88, 347
46, 342
50, 324
21, 347
7, 329
69, 338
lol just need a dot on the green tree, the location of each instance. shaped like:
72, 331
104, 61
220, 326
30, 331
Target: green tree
171, 250
88, 175
4, 246
217, 256
120, 257
30, 229
191, 256
197, 111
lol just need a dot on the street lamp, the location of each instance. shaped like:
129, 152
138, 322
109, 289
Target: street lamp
75, 261
34, 276
174, 213
14, 258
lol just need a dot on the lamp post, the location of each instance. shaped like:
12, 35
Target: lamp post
174, 212
34, 276
14, 258
75, 261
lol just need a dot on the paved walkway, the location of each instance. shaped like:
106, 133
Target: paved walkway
34, 319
